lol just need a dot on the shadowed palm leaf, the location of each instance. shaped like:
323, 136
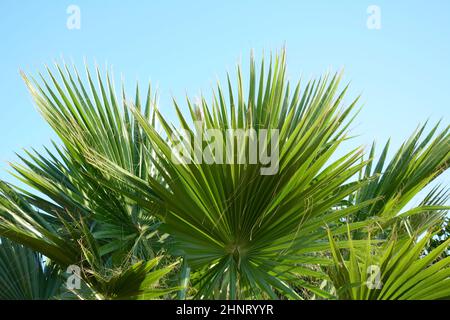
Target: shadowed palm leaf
67, 240
24, 275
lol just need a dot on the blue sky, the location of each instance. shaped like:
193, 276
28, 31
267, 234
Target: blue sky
401, 70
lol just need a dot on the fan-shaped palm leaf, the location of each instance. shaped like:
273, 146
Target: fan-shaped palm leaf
416, 163
67, 240
398, 269
251, 235
25, 276
94, 119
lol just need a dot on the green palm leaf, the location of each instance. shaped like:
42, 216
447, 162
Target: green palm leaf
97, 120
241, 228
395, 184
404, 271
67, 240
25, 276
112, 197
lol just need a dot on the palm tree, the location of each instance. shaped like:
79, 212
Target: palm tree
114, 200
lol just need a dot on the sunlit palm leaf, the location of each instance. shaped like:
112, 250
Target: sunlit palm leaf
98, 120
399, 269
251, 233
416, 163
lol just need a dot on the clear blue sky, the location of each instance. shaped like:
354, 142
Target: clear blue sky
402, 70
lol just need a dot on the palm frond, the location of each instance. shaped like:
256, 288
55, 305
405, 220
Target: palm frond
395, 184
91, 115
67, 240
396, 270
244, 228
24, 275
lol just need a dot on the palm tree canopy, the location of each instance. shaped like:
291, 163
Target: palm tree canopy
113, 199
